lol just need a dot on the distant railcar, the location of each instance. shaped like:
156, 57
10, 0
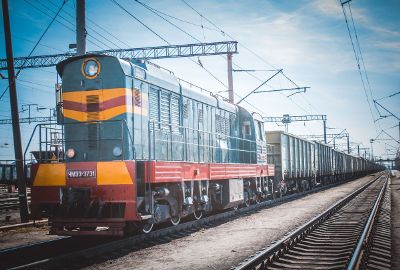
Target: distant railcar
301, 164
294, 161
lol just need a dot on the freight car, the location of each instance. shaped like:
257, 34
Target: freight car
141, 149
302, 164
294, 161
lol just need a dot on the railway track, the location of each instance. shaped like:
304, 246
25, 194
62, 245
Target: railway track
9, 201
353, 234
73, 252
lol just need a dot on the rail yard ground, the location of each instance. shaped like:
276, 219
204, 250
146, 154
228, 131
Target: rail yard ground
395, 188
225, 246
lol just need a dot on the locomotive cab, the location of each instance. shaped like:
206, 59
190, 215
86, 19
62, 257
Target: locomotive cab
97, 101
95, 182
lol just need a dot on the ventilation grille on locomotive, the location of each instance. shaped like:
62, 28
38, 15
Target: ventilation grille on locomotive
93, 108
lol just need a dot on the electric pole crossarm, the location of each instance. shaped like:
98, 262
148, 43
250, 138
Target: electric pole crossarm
258, 87
160, 52
386, 110
280, 90
329, 136
271, 119
287, 119
28, 120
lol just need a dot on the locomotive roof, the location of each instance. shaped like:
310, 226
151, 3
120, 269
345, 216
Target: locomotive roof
159, 78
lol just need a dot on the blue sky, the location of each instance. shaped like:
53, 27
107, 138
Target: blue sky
307, 39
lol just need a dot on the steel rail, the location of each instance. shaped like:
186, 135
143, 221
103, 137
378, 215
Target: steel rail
47, 255
265, 257
366, 234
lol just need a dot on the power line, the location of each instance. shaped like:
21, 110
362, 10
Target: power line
162, 38
358, 59
92, 29
228, 35
190, 35
389, 96
31, 41
156, 12
361, 55
63, 24
37, 43
89, 34
139, 21
197, 63
252, 52
184, 21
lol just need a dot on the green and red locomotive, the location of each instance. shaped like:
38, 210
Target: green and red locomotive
139, 148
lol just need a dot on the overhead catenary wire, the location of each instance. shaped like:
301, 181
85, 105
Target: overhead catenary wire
241, 44
198, 40
249, 50
256, 55
162, 38
37, 43
60, 22
247, 71
389, 96
176, 26
31, 41
73, 25
184, 21
88, 27
361, 54
357, 57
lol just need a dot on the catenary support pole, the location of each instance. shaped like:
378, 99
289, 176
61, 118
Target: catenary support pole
230, 79
23, 203
80, 28
348, 144
325, 131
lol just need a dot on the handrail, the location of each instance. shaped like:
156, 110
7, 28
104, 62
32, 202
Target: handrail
62, 140
201, 144
30, 140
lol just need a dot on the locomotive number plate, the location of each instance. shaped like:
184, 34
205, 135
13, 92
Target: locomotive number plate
81, 173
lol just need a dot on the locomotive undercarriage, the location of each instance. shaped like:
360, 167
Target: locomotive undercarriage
170, 202
80, 213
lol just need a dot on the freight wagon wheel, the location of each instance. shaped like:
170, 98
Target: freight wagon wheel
197, 215
175, 220
147, 227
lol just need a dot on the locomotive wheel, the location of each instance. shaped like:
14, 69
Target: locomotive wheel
197, 214
147, 227
258, 199
282, 191
175, 220
246, 200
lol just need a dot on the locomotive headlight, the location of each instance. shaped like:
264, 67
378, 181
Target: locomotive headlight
117, 151
70, 153
91, 68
